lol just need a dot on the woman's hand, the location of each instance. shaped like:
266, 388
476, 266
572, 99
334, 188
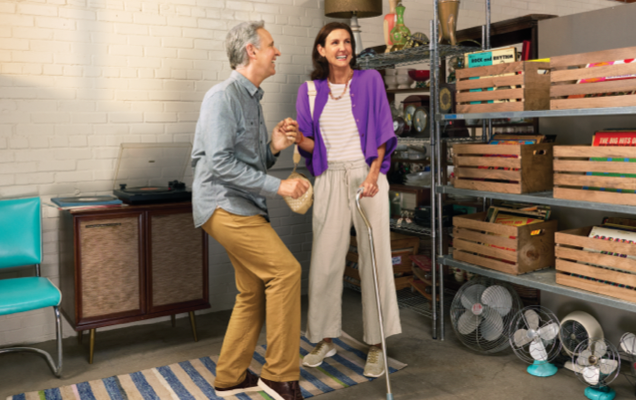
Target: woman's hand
370, 186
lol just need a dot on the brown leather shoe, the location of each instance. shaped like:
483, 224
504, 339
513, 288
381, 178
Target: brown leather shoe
281, 390
250, 383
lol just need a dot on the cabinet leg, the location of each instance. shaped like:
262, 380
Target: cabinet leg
173, 319
194, 326
80, 336
92, 347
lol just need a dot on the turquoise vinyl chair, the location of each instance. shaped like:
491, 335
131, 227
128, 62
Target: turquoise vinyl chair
21, 245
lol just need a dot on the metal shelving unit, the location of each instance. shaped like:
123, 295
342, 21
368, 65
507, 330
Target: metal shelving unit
431, 54
408, 229
415, 55
543, 280
419, 142
407, 299
540, 198
583, 112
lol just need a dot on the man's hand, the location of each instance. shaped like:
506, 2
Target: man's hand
283, 135
293, 188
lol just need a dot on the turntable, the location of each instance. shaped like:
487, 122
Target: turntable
143, 170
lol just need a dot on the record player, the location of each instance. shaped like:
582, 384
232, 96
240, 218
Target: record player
152, 173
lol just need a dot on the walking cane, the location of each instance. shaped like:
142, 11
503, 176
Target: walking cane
389, 395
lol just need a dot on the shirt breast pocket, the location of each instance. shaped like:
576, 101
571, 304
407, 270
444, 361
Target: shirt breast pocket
249, 138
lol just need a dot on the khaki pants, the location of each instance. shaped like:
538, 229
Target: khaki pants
268, 279
334, 211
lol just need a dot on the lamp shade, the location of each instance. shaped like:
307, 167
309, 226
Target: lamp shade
344, 8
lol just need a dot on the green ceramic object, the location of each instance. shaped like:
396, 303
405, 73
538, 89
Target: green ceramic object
400, 32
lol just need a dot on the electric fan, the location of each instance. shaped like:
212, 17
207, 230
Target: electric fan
575, 328
597, 363
533, 338
628, 352
481, 313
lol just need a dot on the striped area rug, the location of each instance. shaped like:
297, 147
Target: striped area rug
194, 379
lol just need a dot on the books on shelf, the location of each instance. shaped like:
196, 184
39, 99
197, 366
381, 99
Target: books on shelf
604, 78
613, 138
488, 58
522, 139
627, 224
612, 235
608, 78
517, 214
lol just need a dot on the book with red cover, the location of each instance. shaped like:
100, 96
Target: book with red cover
613, 138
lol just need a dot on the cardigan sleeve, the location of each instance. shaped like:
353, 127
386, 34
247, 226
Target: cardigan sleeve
305, 122
384, 133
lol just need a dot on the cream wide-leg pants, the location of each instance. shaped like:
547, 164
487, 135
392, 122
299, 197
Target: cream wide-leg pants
333, 212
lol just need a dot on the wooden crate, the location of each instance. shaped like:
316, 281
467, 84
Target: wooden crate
402, 264
504, 168
402, 246
566, 71
525, 88
510, 249
574, 247
400, 282
573, 169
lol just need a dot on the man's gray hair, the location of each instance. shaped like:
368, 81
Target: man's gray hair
238, 38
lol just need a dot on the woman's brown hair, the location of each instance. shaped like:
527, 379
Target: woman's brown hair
321, 65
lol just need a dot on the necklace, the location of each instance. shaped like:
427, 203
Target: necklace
345, 89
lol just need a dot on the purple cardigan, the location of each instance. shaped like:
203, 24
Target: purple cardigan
370, 109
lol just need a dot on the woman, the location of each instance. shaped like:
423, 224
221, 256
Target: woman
347, 144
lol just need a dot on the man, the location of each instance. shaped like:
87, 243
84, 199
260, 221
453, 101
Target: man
231, 155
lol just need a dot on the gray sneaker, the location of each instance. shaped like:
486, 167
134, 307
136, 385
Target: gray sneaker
318, 354
375, 363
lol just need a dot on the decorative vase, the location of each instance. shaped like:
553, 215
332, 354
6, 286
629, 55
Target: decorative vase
400, 33
447, 18
389, 23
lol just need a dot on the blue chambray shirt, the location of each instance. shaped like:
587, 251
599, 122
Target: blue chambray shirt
231, 154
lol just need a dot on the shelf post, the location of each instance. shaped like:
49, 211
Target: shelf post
432, 109
436, 203
487, 41
488, 47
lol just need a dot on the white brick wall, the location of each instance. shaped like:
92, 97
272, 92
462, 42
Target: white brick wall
79, 77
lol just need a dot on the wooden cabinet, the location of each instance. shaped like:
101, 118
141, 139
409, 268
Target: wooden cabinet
131, 263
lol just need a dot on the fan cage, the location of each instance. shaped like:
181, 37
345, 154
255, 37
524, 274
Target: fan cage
572, 333
546, 317
611, 353
627, 353
475, 340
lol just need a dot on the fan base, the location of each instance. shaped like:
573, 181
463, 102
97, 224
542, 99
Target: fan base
542, 369
601, 393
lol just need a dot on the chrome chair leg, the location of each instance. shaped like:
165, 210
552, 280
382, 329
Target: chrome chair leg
58, 333
57, 369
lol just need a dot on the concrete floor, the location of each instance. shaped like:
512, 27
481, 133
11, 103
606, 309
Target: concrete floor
440, 370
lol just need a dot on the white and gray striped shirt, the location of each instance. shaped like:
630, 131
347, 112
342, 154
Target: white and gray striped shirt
339, 129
